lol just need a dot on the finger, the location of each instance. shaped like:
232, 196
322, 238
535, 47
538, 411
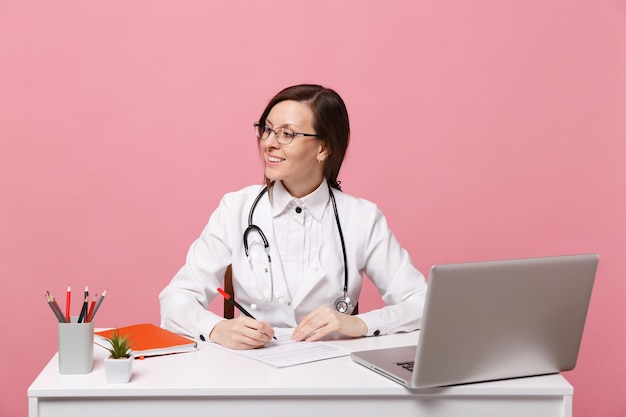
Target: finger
247, 333
330, 325
261, 327
267, 330
317, 334
303, 330
248, 340
312, 327
258, 331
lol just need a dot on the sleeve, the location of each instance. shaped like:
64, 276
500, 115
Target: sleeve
185, 300
401, 285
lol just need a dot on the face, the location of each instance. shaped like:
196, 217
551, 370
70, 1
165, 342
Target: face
296, 164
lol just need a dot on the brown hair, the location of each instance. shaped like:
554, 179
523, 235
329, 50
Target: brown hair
330, 122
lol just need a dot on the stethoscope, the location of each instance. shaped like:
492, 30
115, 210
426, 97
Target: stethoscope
343, 303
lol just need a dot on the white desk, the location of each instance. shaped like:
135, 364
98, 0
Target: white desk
214, 381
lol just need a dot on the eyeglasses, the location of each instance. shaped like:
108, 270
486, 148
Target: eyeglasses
283, 135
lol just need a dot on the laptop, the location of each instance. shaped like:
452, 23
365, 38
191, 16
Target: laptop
486, 321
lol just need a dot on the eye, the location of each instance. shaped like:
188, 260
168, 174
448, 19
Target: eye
288, 134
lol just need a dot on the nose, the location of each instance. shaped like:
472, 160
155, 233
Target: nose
273, 137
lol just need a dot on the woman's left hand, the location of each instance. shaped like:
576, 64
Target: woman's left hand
324, 320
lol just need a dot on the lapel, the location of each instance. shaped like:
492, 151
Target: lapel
310, 281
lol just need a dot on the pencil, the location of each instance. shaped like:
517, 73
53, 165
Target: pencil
95, 310
56, 313
68, 297
93, 304
83, 311
56, 307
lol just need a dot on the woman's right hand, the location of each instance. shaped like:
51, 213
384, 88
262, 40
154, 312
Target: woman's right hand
242, 333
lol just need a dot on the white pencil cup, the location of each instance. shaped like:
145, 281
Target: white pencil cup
75, 347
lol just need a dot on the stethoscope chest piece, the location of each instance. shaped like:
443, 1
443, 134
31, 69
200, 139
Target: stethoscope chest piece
344, 304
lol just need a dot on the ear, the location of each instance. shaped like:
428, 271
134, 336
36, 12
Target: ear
323, 152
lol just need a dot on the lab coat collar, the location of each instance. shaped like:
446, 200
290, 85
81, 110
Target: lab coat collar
315, 203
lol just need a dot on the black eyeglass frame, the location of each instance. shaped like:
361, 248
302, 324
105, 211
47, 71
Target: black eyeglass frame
268, 130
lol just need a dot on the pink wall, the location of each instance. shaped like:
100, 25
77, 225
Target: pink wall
484, 129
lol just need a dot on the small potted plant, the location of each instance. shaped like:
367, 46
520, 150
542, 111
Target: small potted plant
118, 367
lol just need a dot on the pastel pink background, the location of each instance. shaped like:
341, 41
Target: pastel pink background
484, 129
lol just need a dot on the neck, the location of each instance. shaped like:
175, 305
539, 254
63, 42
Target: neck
302, 190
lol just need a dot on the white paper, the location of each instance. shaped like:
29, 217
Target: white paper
284, 352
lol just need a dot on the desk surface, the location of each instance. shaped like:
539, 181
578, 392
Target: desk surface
214, 373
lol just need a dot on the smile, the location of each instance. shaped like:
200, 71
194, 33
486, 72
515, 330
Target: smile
275, 159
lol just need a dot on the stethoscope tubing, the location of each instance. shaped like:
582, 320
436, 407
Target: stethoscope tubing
343, 243
252, 227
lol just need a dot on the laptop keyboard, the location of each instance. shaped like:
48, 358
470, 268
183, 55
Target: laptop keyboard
406, 365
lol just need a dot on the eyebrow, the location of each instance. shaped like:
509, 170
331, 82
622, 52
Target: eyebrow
289, 125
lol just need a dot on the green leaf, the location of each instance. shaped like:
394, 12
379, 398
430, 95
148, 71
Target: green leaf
120, 346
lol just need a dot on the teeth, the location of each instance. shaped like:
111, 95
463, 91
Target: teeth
274, 159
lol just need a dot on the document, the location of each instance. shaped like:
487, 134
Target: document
284, 352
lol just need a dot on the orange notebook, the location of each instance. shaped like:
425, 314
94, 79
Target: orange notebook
149, 340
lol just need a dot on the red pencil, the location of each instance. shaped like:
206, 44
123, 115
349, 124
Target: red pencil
68, 297
93, 304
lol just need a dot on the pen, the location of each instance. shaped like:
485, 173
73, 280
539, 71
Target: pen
236, 304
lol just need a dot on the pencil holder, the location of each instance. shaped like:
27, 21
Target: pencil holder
75, 347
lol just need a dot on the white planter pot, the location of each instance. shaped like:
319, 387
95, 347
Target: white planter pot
118, 370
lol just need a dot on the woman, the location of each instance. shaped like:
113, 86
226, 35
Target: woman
298, 245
